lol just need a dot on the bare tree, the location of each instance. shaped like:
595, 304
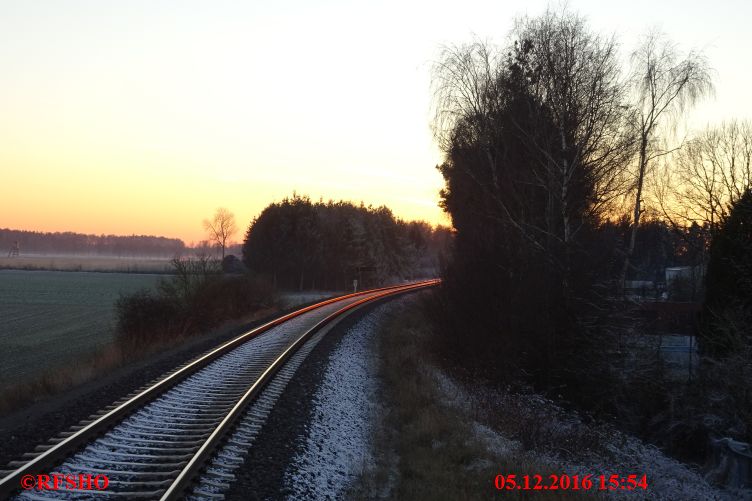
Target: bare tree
465, 91
704, 179
714, 171
221, 228
579, 81
665, 86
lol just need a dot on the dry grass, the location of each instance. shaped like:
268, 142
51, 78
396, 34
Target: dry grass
427, 448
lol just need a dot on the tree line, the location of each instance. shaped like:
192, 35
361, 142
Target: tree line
78, 243
300, 245
564, 179
292, 244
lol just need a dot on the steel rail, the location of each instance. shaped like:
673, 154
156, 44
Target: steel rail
204, 453
48, 458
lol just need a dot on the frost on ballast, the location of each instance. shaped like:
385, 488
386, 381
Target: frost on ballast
337, 446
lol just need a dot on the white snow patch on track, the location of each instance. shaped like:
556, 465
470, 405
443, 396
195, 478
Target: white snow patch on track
337, 447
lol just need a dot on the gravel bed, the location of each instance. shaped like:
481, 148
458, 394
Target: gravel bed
286, 434
338, 444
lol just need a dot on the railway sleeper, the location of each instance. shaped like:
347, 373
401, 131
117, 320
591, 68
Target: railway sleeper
107, 454
129, 473
91, 462
204, 494
160, 448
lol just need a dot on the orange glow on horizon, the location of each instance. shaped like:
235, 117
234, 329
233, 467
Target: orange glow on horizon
142, 118
164, 202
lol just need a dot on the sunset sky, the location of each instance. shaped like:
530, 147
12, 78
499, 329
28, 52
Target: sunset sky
144, 116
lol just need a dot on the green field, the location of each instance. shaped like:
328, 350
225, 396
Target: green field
52, 318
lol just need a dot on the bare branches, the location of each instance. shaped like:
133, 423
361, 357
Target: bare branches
537, 139
221, 228
665, 86
710, 174
464, 89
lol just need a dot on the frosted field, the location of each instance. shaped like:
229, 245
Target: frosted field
50, 318
86, 263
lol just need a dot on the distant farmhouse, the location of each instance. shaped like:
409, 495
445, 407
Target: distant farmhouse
684, 283
681, 283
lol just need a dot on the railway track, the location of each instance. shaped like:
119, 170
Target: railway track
185, 434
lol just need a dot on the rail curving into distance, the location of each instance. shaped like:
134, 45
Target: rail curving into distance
155, 442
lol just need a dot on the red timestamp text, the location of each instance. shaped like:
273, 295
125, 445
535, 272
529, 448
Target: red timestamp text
571, 482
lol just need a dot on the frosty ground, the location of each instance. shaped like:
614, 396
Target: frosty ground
389, 422
337, 446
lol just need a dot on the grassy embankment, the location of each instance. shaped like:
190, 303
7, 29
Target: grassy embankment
444, 434
428, 446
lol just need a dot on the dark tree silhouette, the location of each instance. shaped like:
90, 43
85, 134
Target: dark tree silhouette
77, 243
536, 143
305, 245
728, 288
